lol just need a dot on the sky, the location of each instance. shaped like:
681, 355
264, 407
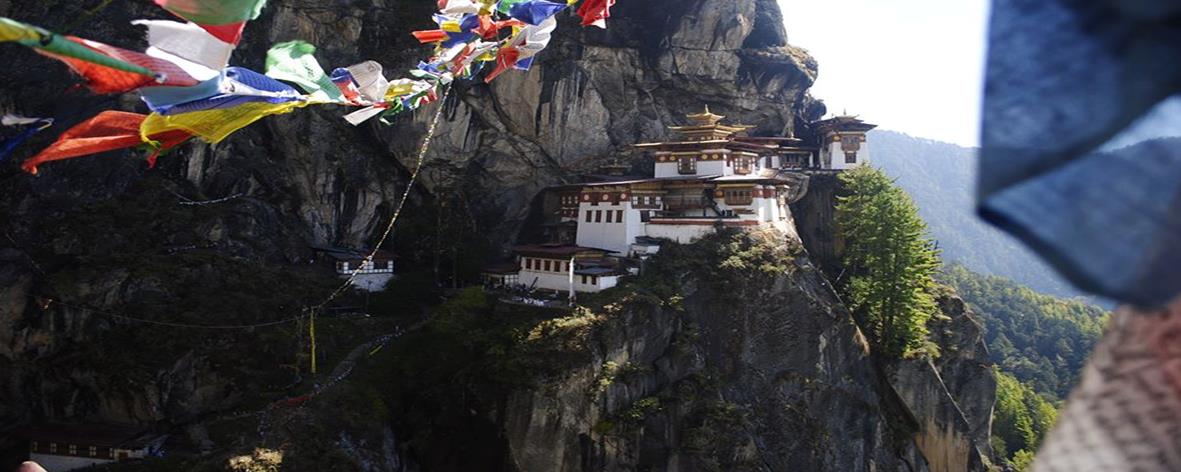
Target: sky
914, 66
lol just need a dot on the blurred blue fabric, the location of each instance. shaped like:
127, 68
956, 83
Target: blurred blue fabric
1066, 77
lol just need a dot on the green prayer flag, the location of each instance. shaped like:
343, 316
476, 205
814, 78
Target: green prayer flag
214, 12
295, 62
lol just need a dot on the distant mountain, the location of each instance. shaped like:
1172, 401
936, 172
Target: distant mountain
941, 177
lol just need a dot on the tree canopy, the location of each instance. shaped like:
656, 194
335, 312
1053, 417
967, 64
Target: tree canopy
889, 261
1042, 341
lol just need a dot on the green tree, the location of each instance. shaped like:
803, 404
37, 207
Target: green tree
890, 261
1021, 419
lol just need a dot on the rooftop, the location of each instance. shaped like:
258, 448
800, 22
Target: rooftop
557, 250
843, 123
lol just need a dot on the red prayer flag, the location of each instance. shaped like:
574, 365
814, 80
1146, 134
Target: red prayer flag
505, 59
231, 33
595, 12
103, 80
430, 36
107, 131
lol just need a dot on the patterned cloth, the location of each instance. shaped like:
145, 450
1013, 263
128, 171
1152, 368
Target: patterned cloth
1126, 412
1064, 78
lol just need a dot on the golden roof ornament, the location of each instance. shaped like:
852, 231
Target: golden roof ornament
704, 118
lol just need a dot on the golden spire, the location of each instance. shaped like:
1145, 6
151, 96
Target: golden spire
704, 118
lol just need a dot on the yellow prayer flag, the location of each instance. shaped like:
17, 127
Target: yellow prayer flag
215, 125
397, 90
16, 31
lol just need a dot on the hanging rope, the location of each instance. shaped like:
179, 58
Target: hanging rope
422, 150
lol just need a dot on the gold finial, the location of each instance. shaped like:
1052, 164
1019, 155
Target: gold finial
704, 118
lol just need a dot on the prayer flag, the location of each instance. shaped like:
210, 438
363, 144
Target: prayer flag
535, 11
236, 85
37, 38
17, 120
595, 12
217, 124
31, 128
344, 82
365, 114
371, 82
107, 131
295, 62
187, 41
11, 30
219, 13
458, 7
108, 69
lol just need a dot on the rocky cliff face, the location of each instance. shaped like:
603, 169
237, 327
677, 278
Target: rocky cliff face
785, 380
754, 365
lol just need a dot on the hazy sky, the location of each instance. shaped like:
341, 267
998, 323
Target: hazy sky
914, 66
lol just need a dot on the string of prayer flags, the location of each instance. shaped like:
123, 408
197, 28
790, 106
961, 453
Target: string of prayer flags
186, 43
595, 12
294, 62
107, 131
215, 125
185, 78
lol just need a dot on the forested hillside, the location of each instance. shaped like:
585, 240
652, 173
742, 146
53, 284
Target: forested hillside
941, 178
1041, 340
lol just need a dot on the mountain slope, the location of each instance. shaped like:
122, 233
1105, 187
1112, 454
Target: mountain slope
941, 178
1041, 340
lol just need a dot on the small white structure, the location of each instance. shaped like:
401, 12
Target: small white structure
561, 268
61, 447
372, 275
843, 142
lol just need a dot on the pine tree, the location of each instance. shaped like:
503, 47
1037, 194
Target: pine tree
889, 260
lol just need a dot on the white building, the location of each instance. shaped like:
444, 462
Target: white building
59, 447
564, 267
843, 142
709, 176
371, 275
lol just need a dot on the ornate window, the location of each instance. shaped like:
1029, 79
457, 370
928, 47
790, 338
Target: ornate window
687, 165
619, 216
742, 166
850, 157
739, 197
